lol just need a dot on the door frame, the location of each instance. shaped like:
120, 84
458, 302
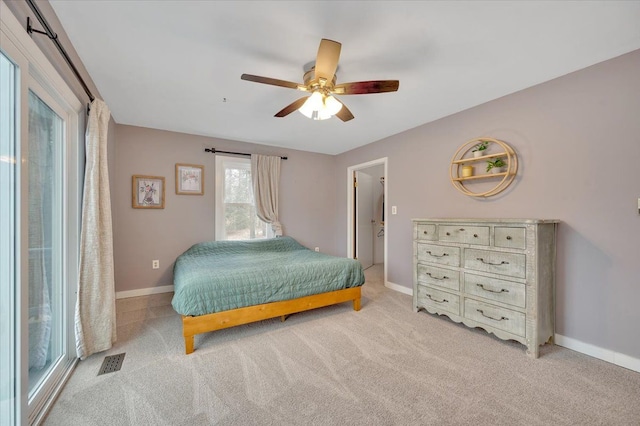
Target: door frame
351, 223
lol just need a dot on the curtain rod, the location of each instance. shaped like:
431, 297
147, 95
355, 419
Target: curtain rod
54, 37
214, 151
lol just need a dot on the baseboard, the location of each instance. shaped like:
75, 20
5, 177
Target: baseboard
144, 291
399, 288
607, 355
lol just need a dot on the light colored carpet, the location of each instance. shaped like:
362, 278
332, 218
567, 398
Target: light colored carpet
384, 365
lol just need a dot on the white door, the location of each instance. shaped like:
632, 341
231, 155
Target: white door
364, 218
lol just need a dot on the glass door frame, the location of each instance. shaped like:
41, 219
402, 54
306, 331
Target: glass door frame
67, 267
8, 170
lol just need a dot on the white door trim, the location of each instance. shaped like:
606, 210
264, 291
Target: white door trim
350, 200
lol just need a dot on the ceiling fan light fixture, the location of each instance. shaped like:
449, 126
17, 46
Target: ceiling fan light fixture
320, 107
332, 105
313, 103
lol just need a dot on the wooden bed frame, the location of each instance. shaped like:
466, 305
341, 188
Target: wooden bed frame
192, 325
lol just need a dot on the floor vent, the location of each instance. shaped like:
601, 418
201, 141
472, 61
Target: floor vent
111, 363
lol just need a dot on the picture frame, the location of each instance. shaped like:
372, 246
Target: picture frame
189, 179
147, 192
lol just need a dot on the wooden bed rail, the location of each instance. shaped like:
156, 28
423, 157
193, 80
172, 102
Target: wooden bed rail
192, 325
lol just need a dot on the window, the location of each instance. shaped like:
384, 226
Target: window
236, 217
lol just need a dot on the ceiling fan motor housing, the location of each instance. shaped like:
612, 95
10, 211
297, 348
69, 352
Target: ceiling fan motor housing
312, 83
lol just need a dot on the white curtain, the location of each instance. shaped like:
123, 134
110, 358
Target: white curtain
265, 174
95, 319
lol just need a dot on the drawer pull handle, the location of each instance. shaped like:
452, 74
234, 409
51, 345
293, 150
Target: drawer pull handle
508, 237
461, 229
444, 277
437, 255
475, 235
448, 233
492, 264
437, 301
424, 232
490, 317
502, 290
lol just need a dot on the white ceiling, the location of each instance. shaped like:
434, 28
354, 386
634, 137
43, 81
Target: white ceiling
170, 64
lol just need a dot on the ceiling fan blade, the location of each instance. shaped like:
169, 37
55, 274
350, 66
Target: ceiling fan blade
327, 59
365, 87
344, 114
271, 81
291, 107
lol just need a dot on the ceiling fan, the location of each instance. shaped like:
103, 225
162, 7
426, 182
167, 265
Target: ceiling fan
320, 81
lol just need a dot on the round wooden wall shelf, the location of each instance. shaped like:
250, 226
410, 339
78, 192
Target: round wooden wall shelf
469, 184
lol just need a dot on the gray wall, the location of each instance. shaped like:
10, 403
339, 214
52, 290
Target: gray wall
578, 142
307, 201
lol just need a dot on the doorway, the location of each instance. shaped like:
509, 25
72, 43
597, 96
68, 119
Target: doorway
366, 212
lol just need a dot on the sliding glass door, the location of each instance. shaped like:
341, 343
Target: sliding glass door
40, 175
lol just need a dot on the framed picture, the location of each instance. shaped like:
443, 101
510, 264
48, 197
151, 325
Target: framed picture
189, 179
147, 192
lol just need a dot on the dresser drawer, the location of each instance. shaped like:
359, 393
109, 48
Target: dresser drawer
510, 237
443, 255
510, 264
493, 289
429, 297
426, 231
464, 234
439, 276
495, 316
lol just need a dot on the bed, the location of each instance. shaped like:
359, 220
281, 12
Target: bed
221, 284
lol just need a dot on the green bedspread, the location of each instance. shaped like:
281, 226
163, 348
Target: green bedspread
221, 275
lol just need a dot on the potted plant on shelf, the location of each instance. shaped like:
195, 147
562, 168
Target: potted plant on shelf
480, 148
495, 166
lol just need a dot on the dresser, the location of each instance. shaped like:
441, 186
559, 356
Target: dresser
496, 274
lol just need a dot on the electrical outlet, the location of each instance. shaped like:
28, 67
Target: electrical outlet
317, 248
155, 264
394, 210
